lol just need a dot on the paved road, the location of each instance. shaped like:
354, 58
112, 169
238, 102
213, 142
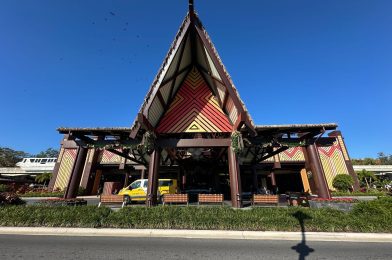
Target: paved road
65, 247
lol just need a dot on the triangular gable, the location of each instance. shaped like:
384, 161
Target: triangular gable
194, 109
191, 48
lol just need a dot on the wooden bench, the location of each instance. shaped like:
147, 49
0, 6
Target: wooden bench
265, 199
210, 198
111, 199
175, 198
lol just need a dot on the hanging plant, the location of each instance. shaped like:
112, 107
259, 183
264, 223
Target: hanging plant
237, 142
148, 142
309, 174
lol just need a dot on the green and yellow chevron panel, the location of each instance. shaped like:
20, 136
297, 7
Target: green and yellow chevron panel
194, 109
293, 154
107, 157
67, 161
333, 162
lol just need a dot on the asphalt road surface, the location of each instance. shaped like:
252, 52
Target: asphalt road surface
65, 247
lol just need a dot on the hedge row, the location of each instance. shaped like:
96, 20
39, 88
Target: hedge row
372, 216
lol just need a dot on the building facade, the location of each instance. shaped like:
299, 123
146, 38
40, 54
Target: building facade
194, 127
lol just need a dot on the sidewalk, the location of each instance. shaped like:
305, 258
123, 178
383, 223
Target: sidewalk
200, 234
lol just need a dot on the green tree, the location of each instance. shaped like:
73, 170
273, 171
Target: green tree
9, 157
384, 159
48, 153
366, 178
43, 178
343, 182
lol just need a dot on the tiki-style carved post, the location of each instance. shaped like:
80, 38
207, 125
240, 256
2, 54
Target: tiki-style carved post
316, 167
153, 175
76, 175
235, 179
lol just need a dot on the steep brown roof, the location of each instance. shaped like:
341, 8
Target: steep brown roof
192, 47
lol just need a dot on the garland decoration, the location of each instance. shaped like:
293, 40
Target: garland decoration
237, 143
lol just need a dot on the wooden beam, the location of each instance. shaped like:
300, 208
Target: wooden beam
176, 71
277, 151
176, 75
126, 156
166, 65
197, 142
145, 123
159, 95
240, 121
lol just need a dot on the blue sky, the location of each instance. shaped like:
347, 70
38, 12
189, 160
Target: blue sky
90, 63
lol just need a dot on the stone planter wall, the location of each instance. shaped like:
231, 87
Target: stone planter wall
335, 205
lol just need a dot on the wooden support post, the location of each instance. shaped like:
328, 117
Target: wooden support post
97, 181
77, 171
305, 181
273, 181
235, 179
87, 180
126, 179
317, 171
255, 180
153, 172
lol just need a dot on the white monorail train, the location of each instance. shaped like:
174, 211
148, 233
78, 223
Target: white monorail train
37, 164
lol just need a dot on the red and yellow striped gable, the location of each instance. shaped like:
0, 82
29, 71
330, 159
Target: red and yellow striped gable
194, 109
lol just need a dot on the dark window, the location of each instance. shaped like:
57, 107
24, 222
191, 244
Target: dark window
166, 183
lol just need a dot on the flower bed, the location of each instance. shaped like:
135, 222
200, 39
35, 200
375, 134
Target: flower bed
344, 204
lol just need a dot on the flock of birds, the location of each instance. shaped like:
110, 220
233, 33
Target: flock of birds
114, 39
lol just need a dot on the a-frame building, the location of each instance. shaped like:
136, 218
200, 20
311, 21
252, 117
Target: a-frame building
194, 127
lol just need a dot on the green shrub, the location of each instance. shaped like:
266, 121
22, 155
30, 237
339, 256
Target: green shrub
3, 188
343, 182
38, 216
358, 193
10, 198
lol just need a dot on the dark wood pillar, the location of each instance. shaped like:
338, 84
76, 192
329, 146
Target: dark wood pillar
316, 167
91, 164
235, 179
153, 172
77, 171
273, 181
97, 181
255, 179
126, 180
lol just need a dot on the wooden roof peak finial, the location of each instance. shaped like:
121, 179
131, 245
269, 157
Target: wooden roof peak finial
191, 9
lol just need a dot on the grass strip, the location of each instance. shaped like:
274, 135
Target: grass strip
370, 216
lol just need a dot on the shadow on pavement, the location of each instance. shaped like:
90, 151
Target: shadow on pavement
302, 248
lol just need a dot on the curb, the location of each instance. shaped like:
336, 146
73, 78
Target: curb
199, 234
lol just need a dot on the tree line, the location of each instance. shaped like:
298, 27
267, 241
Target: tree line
382, 159
9, 157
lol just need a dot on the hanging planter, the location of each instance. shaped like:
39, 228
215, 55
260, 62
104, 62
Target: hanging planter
149, 142
237, 143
